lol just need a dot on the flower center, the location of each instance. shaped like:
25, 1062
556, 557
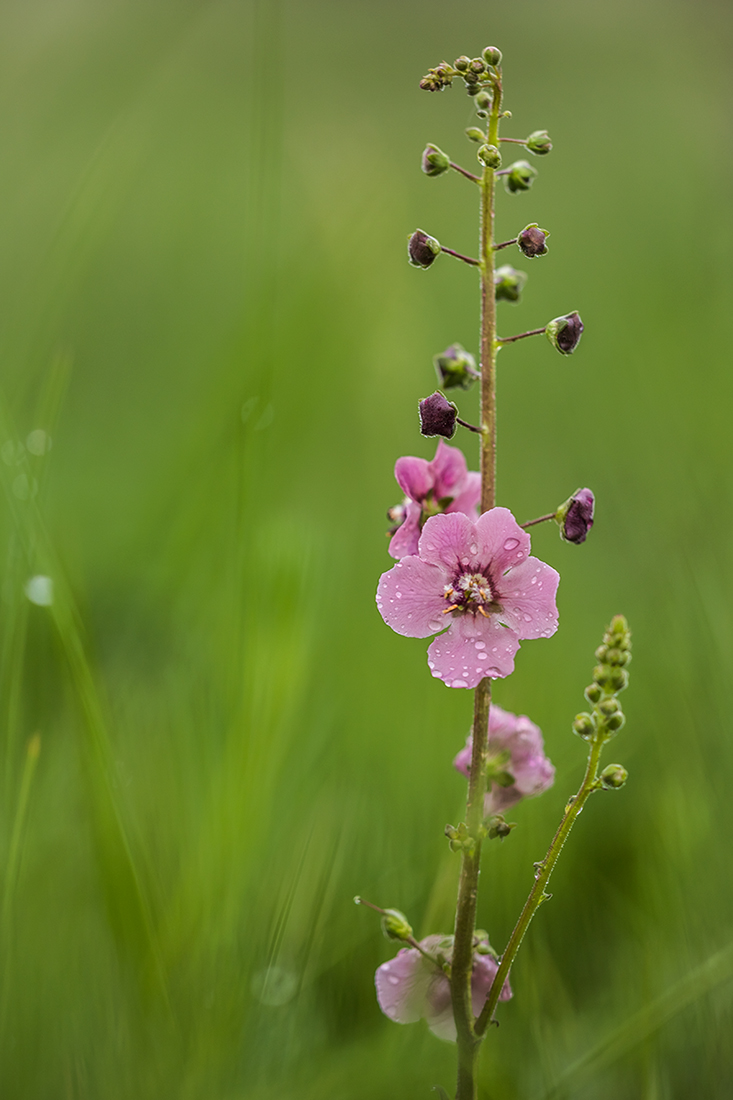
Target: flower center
469, 592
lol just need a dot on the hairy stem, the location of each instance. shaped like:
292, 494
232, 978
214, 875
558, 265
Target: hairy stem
522, 335
543, 871
468, 1041
465, 172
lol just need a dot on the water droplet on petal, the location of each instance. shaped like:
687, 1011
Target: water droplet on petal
510, 544
393, 979
480, 645
459, 684
473, 549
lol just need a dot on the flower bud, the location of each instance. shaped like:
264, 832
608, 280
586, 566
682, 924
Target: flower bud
619, 626
539, 143
564, 333
593, 693
618, 679
395, 925
489, 156
434, 161
508, 283
461, 63
492, 56
520, 177
617, 657
456, 367
498, 827
607, 707
575, 519
615, 721
531, 241
614, 776
437, 416
483, 101
438, 78
422, 249
478, 65
584, 725
475, 134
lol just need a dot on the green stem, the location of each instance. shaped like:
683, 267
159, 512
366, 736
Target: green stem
544, 869
467, 1040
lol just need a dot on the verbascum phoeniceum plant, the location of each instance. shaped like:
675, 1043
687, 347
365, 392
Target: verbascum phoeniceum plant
464, 574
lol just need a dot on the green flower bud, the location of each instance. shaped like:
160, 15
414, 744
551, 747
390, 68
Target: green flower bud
601, 652
619, 625
509, 283
500, 828
539, 143
461, 63
456, 367
520, 177
607, 707
584, 725
483, 101
434, 161
618, 679
564, 333
438, 78
614, 776
616, 721
593, 693
492, 56
489, 156
478, 65
395, 925
617, 656
475, 134
601, 675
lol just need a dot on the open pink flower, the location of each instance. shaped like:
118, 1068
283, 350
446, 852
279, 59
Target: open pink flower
516, 750
410, 987
443, 485
477, 579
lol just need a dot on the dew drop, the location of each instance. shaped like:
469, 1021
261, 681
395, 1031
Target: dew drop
398, 595
480, 645
473, 549
393, 979
510, 544
527, 618
482, 657
533, 581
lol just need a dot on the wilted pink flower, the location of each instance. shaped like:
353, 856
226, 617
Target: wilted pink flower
443, 485
410, 988
478, 579
516, 750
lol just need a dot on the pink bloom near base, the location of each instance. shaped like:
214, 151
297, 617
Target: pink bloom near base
425, 485
477, 579
410, 988
532, 771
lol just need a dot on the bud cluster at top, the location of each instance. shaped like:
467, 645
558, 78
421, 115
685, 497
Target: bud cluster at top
610, 676
475, 72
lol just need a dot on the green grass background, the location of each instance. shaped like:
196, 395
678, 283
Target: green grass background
204, 300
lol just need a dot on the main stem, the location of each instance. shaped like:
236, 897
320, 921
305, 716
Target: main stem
467, 1039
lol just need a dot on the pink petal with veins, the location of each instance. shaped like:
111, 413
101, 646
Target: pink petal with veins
468, 496
448, 541
448, 470
503, 543
471, 649
527, 596
407, 536
414, 477
410, 598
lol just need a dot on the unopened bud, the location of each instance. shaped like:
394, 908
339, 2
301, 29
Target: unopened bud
438, 416
395, 925
539, 143
617, 656
475, 134
619, 625
434, 161
456, 367
438, 78
614, 776
422, 249
483, 101
615, 721
607, 707
478, 65
498, 827
492, 56
584, 725
532, 241
593, 693
489, 156
575, 519
618, 679
520, 176
461, 63
564, 333
509, 283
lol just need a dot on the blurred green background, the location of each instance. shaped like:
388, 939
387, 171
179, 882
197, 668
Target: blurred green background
206, 306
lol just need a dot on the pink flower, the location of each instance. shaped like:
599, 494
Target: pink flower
477, 579
516, 750
443, 485
410, 988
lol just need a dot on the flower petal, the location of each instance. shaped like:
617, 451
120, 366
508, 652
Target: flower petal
410, 598
527, 595
503, 543
448, 541
407, 536
448, 469
402, 985
472, 648
414, 477
468, 497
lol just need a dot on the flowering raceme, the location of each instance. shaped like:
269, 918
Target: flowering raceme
516, 753
443, 485
476, 578
410, 987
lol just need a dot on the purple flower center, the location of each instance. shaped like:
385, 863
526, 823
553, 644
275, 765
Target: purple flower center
470, 592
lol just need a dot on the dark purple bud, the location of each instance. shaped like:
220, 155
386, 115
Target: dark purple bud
437, 416
575, 516
564, 333
456, 367
422, 249
434, 161
532, 240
